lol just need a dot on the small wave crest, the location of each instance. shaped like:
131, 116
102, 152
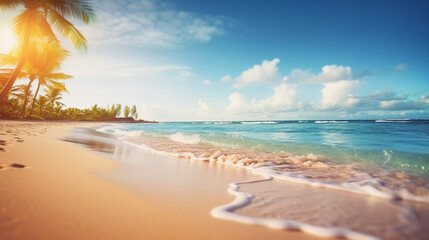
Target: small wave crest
183, 138
330, 121
310, 169
392, 121
266, 122
117, 130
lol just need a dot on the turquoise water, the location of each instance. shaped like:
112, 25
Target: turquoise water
401, 145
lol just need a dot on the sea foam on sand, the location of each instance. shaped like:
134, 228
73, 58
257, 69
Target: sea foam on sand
311, 169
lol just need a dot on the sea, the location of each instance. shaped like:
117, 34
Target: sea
384, 159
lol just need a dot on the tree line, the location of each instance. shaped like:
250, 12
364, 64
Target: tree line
35, 61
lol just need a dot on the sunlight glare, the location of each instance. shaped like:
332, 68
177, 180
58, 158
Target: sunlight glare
7, 41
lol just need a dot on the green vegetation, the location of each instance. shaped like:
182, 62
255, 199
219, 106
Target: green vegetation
37, 57
34, 24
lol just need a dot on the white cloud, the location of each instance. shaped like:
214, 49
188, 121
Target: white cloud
330, 73
258, 74
339, 94
388, 104
203, 112
238, 103
406, 104
154, 112
226, 78
203, 105
400, 67
207, 82
283, 99
104, 68
149, 23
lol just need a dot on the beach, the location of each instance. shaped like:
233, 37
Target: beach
65, 191
322, 178
162, 119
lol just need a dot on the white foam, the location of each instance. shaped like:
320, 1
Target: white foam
268, 122
330, 121
223, 123
363, 183
392, 121
108, 128
183, 138
242, 199
116, 129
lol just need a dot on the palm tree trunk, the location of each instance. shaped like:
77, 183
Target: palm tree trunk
5, 91
26, 98
34, 99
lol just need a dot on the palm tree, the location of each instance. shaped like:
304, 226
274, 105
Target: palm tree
53, 94
46, 64
58, 107
36, 20
27, 72
41, 104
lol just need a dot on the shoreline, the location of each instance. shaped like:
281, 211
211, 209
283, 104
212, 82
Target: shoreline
63, 192
267, 216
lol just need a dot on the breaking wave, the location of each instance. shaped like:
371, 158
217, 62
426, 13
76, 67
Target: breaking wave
311, 169
330, 121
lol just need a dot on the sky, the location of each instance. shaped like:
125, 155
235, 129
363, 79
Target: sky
192, 60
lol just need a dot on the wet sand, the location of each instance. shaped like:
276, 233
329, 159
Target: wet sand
386, 219
56, 189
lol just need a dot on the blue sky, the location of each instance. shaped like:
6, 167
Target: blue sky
255, 60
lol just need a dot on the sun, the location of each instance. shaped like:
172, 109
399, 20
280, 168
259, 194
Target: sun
7, 41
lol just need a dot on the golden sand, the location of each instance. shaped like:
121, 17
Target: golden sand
52, 189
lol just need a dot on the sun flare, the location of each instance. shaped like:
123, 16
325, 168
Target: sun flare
7, 40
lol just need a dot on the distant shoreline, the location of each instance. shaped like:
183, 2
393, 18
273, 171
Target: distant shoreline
117, 120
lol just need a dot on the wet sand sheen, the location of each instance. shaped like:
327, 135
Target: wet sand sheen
295, 206
330, 208
58, 196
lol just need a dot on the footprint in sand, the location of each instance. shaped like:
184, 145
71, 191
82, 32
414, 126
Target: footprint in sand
17, 165
3, 142
2, 149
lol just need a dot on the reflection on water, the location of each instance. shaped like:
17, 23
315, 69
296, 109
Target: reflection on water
333, 138
97, 141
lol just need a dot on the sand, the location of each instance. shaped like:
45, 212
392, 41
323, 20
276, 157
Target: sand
54, 189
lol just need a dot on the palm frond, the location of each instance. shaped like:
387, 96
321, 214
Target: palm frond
33, 22
9, 4
67, 29
8, 59
57, 85
42, 27
78, 9
58, 76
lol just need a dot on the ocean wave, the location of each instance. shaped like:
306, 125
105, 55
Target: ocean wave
310, 169
392, 121
223, 123
267, 122
183, 138
330, 121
